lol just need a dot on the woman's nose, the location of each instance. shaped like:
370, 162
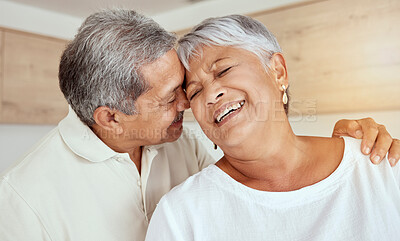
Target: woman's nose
214, 94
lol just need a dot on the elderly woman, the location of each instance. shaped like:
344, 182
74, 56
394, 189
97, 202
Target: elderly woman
270, 184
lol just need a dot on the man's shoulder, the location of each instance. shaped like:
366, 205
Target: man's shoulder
38, 160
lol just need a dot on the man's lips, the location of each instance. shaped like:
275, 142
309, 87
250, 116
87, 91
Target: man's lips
178, 120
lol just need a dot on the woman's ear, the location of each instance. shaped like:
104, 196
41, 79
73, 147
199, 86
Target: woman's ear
278, 68
107, 119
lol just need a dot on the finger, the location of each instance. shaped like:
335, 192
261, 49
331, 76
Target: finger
347, 128
394, 152
370, 133
382, 145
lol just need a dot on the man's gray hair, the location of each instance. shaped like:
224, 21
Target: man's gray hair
100, 67
233, 30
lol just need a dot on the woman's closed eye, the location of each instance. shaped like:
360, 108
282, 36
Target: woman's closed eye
194, 94
223, 72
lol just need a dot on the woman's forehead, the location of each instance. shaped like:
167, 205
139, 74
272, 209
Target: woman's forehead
208, 55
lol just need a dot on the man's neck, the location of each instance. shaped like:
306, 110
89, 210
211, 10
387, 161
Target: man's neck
136, 157
135, 152
134, 149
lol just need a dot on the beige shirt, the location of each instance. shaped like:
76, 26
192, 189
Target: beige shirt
72, 186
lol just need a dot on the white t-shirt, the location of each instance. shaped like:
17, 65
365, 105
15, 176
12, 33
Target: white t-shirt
359, 201
72, 186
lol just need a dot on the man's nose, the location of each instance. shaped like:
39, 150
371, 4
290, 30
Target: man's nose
183, 102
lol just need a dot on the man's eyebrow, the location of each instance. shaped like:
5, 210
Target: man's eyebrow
171, 93
216, 61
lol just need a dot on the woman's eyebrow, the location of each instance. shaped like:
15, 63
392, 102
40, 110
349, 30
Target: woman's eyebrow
187, 84
216, 61
191, 82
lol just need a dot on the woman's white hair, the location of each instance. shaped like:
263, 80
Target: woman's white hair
233, 30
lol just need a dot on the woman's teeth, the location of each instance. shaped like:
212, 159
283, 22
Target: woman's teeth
228, 110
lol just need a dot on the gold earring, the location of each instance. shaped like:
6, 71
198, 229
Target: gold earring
284, 97
215, 146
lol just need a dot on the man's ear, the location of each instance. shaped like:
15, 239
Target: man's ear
107, 119
279, 69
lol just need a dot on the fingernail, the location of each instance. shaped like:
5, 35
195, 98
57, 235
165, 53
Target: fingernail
392, 161
367, 150
358, 134
376, 159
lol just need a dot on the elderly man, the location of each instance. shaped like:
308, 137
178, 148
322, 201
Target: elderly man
100, 173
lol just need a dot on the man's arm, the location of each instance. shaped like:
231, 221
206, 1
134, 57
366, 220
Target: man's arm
17, 219
375, 139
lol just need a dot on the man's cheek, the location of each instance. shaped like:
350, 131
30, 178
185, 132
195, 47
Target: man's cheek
169, 115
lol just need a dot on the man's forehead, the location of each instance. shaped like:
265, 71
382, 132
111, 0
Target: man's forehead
166, 67
166, 87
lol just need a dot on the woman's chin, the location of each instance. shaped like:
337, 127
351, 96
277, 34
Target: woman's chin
233, 137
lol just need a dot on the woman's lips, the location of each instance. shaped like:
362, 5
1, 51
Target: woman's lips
226, 109
230, 115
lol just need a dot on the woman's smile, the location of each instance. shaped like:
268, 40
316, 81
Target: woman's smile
227, 111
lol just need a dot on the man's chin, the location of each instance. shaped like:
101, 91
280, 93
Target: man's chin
173, 133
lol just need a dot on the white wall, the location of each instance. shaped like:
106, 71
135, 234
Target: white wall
35, 20
190, 16
16, 140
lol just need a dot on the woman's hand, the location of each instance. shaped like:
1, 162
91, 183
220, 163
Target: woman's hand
375, 139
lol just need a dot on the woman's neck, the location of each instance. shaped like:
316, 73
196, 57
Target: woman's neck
288, 164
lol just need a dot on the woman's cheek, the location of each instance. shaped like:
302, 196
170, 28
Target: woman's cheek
196, 111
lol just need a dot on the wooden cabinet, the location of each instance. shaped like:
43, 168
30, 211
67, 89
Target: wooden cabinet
342, 56
30, 92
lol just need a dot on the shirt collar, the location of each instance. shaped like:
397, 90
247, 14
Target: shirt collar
83, 142
81, 139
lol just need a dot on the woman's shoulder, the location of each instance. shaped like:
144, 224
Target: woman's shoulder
354, 157
353, 152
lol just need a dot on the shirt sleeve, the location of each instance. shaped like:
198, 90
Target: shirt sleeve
163, 225
17, 220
